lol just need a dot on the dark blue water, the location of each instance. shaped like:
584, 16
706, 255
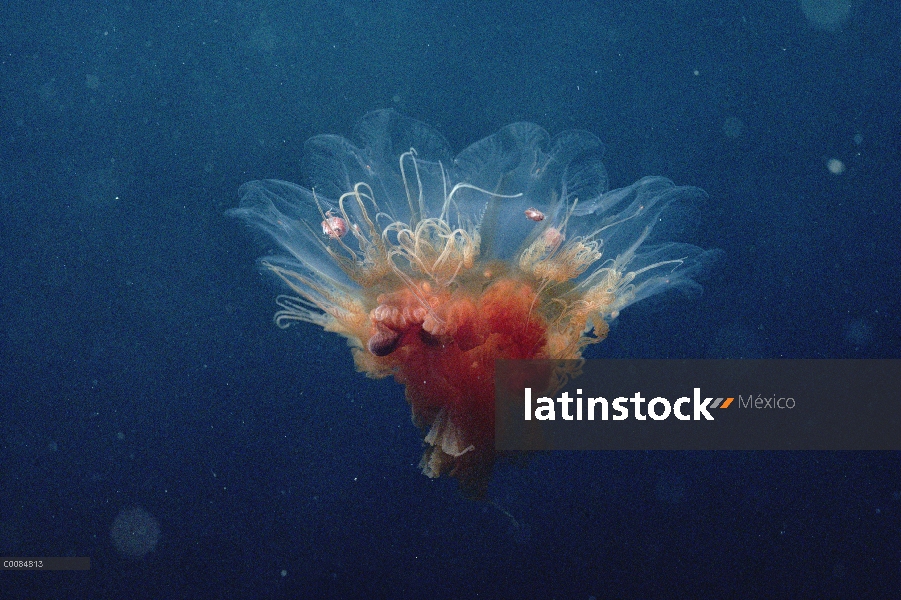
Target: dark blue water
139, 366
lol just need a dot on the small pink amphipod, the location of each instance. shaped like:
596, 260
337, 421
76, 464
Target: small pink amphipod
334, 227
533, 214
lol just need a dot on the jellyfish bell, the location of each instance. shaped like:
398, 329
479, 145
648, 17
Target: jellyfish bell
827, 15
135, 532
431, 272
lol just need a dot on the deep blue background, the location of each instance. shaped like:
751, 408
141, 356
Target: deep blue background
139, 364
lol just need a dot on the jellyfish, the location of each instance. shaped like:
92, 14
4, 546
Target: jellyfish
135, 532
433, 266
